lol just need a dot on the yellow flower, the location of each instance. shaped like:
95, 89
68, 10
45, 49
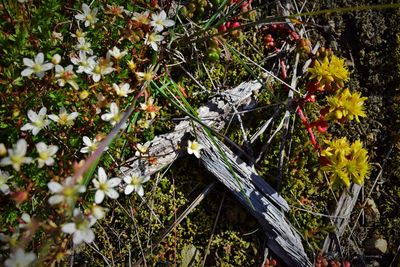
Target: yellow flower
346, 105
345, 162
338, 69
328, 71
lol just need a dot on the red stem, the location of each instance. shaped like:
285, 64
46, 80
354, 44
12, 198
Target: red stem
299, 109
304, 120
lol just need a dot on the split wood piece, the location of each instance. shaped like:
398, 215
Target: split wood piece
268, 206
282, 238
167, 148
341, 217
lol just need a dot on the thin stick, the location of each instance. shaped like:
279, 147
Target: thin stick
213, 230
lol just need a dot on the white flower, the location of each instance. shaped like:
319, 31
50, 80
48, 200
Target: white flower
101, 68
142, 17
46, 154
64, 118
38, 121
78, 33
114, 116
105, 187
66, 75
122, 90
91, 146
152, 39
38, 66
115, 10
56, 59
16, 156
83, 46
80, 228
84, 63
4, 177
55, 37
97, 212
66, 192
146, 76
194, 148
20, 258
141, 149
116, 53
88, 15
150, 108
134, 183
159, 21
27, 221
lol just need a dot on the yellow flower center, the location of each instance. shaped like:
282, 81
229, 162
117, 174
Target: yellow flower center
103, 187
89, 17
68, 191
16, 159
63, 119
37, 68
148, 76
194, 146
135, 180
44, 155
93, 147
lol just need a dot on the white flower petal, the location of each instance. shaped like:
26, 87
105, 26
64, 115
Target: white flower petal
20, 148
145, 179
41, 147
55, 199
99, 196
49, 162
102, 175
33, 116
42, 111
39, 58
27, 72
87, 141
69, 228
113, 182
140, 191
77, 238
88, 236
55, 187
112, 193
54, 117
128, 189
107, 117
85, 8
84, 150
28, 62
127, 179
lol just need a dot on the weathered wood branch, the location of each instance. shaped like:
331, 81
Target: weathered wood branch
245, 186
341, 217
256, 195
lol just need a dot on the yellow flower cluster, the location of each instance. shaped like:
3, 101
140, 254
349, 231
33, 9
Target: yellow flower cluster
345, 106
330, 70
345, 162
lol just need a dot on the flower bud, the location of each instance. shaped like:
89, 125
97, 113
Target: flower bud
56, 59
84, 94
3, 150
